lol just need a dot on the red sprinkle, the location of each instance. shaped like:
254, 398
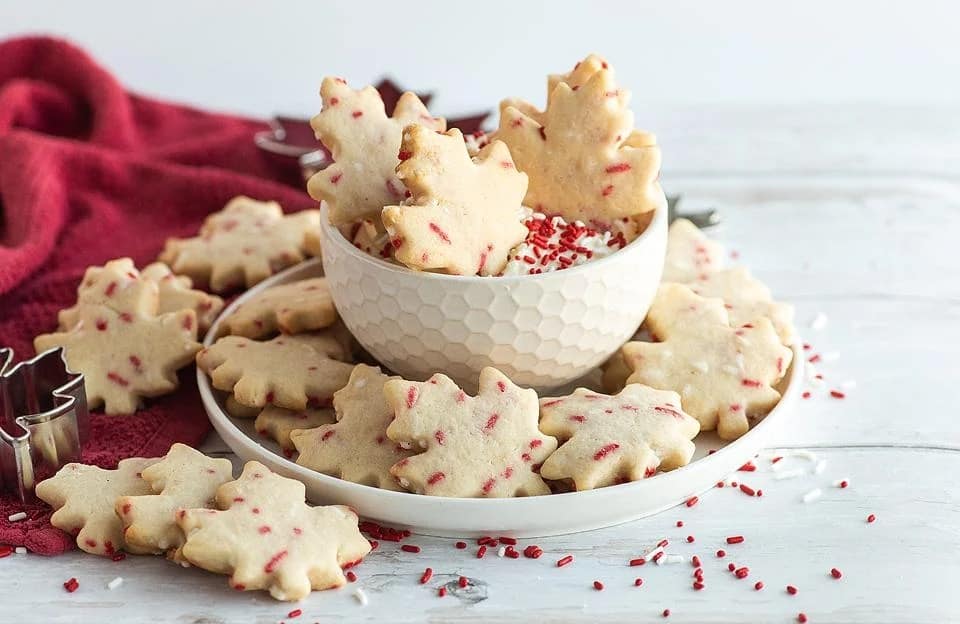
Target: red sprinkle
461, 545
758, 585
802, 617
741, 573
746, 489
791, 590
564, 561
666, 613
638, 582
679, 523
695, 561
604, 451
481, 552
693, 500
597, 585
351, 576
721, 554
806, 394
510, 541
532, 551
690, 539
71, 585
637, 562
837, 394
442, 592
426, 576
731, 566
835, 573
747, 467
462, 581
410, 548
871, 518
735, 539
295, 613
697, 585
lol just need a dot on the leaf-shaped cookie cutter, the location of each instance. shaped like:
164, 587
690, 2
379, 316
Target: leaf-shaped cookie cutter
43, 419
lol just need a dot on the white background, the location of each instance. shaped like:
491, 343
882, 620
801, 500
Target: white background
265, 57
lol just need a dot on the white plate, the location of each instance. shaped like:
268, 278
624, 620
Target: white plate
536, 516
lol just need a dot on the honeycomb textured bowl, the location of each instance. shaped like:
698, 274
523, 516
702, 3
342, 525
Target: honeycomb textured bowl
542, 331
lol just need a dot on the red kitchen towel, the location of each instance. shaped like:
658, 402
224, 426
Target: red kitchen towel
90, 172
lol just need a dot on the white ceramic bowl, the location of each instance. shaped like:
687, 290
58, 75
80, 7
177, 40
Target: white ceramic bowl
542, 331
535, 516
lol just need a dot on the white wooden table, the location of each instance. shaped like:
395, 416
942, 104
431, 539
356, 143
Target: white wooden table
854, 214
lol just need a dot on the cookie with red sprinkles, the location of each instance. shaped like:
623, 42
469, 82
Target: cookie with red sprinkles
724, 375
83, 499
293, 372
690, 254
243, 244
184, 478
483, 446
365, 144
265, 536
584, 159
464, 214
289, 309
605, 440
278, 423
355, 448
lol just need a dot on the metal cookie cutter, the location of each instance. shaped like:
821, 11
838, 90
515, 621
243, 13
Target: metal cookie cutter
43, 419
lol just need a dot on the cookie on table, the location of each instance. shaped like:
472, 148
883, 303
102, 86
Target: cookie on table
184, 478
584, 158
292, 372
265, 537
242, 245
483, 446
365, 144
278, 424
83, 499
110, 285
289, 308
125, 356
605, 440
356, 448
465, 214
746, 298
690, 254
724, 375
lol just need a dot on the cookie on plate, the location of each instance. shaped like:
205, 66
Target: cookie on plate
746, 299
265, 537
291, 308
483, 446
365, 144
724, 375
292, 372
356, 448
278, 424
605, 440
83, 499
690, 254
242, 245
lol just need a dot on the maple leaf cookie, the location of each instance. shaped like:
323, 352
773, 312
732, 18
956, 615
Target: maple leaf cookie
184, 478
242, 245
290, 309
690, 254
746, 298
278, 423
605, 440
585, 161
364, 143
464, 215
266, 537
83, 500
488, 445
125, 356
356, 448
119, 285
723, 374
288, 371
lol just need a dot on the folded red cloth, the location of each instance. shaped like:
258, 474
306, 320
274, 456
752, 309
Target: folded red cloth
90, 172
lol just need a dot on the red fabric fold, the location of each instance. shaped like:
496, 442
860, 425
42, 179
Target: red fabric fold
90, 172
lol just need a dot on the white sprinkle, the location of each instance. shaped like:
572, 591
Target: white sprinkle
820, 467
819, 321
701, 366
840, 482
17, 517
730, 369
812, 495
359, 383
670, 559
20, 550
788, 474
849, 384
115, 583
361, 597
830, 356
502, 551
740, 361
